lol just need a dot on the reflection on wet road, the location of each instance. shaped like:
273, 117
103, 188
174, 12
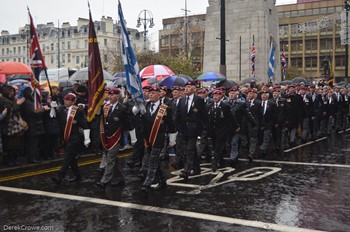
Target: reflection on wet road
306, 188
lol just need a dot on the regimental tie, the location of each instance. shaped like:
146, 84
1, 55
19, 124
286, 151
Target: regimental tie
186, 103
152, 108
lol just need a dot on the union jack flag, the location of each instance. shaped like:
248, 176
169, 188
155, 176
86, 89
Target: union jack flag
252, 60
283, 64
37, 63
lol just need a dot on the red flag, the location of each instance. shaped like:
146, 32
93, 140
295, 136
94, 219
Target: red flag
37, 64
252, 61
96, 83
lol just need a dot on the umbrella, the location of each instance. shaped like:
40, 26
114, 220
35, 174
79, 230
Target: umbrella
211, 76
119, 74
250, 79
175, 80
65, 84
45, 85
2, 78
83, 75
9, 68
298, 80
155, 71
20, 76
120, 81
342, 83
226, 83
285, 82
19, 82
152, 81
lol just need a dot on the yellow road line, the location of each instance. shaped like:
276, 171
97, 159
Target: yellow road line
48, 170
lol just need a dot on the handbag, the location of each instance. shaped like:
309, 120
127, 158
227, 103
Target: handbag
16, 126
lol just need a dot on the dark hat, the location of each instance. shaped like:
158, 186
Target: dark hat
70, 96
217, 91
179, 88
253, 90
164, 88
200, 91
234, 88
82, 89
154, 88
114, 91
290, 86
191, 83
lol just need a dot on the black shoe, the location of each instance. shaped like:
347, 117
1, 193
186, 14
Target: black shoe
74, 179
197, 172
57, 181
100, 171
101, 185
250, 157
184, 176
118, 184
161, 186
145, 189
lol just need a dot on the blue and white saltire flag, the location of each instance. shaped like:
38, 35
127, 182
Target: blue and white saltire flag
271, 70
131, 66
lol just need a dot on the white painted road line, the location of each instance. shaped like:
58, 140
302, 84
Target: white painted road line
299, 163
175, 212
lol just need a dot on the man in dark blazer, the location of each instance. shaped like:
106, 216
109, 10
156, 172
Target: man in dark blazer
116, 118
70, 119
157, 121
221, 126
191, 117
267, 121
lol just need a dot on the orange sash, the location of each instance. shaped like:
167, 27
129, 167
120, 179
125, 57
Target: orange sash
69, 123
156, 124
108, 142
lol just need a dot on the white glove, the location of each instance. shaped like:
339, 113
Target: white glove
52, 110
87, 137
172, 139
135, 110
133, 137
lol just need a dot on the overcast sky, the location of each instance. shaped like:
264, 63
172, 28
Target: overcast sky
13, 13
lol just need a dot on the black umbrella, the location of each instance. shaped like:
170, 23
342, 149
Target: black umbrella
285, 82
250, 79
226, 83
298, 80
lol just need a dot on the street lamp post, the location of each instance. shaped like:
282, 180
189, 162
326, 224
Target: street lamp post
147, 18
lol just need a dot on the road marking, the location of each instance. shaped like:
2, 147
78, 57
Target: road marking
167, 211
299, 163
48, 170
311, 142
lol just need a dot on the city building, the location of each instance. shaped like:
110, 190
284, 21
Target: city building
310, 32
67, 46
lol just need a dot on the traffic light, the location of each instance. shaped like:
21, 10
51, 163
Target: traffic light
347, 5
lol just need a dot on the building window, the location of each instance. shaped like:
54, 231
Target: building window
105, 58
77, 44
105, 42
296, 45
3, 51
311, 45
63, 58
77, 59
52, 46
316, 11
14, 51
7, 51
340, 61
326, 44
19, 50
63, 45
297, 62
68, 45
85, 43
310, 62
323, 11
52, 59
19, 59
68, 58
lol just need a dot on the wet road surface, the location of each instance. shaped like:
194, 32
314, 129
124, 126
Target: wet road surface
307, 188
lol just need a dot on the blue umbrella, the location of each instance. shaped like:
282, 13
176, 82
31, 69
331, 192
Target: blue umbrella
119, 75
175, 80
211, 76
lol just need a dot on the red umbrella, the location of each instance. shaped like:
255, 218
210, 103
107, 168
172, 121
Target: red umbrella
2, 78
156, 70
9, 68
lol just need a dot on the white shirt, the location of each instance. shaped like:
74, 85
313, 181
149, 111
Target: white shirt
190, 100
155, 107
264, 104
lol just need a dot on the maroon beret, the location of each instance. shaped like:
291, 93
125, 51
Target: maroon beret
114, 91
191, 83
154, 88
234, 88
70, 96
217, 91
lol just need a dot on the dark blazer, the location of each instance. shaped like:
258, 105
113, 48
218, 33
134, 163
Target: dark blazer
269, 119
79, 121
221, 121
120, 117
191, 123
167, 125
255, 110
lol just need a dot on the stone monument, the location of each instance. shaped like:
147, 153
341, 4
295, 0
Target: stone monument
246, 20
